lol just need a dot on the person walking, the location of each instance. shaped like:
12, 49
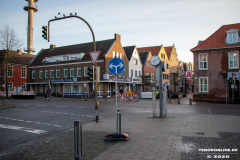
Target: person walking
48, 94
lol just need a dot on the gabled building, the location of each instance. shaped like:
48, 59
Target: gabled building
173, 65
66, 69
147, 70
17, 69
135, 68
161, 53
216, 61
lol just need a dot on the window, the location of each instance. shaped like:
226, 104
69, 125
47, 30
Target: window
233, 59
121, 56
135, 62
114, 54
40, 74
52, 73
167, 66
67, 57
64, 58
65, 72
202, 61
85, 71
58, 88
71, 72
46, 73
79, 71
152, 76
132, 73
139, 73
124, 72
41, 88
135, 73
147, 74
10, 71
23, 86
10, 86
232, 38
163, 56
203, 84
58, 73
33, 74
117, 55
23, 72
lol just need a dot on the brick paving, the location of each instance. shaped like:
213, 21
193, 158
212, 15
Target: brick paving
175, 137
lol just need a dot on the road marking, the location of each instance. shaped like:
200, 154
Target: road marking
88, 116
65, 113
51, 112
61, 106
31, 130
209, 110
72, 114
40, 105
58, 112
47, 124
56, 126
20, 120
29, 121
80, 107
38, 122
13, 119
142, 111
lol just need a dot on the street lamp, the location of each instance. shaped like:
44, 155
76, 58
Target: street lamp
201, 87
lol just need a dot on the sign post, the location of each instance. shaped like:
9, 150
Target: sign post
116, 66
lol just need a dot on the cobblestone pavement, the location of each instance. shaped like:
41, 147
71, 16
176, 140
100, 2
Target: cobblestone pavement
193, 147
57, 146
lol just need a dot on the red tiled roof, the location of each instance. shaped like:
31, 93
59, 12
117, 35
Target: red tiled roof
217, 39
154, 50
168, 51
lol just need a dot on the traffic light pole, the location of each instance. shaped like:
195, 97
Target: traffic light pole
94, 49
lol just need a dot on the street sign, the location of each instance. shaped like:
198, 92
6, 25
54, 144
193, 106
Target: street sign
188, 74
85, 84
116, 66
94, 56
133, 83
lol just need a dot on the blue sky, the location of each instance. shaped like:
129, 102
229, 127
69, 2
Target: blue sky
139, 22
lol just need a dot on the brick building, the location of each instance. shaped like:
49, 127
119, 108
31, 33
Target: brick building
147, 70
216, 59
17, 69
67, 67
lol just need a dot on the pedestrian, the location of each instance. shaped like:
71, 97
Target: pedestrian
121, 91
48, 94
114, 93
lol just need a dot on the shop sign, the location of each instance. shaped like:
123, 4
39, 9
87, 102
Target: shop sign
62, 80
136, 79
123, 80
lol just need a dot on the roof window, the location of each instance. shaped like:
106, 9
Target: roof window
232, 36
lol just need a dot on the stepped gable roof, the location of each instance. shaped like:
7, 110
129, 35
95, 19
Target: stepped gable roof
102, 46
154, 50
129, 51
143, 57
217, 39
16, 58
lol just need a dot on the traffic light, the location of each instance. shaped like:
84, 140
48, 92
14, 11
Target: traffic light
45, 32
230, 80
91, 73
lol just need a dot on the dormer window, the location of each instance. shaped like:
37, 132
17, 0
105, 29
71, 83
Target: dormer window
232, 36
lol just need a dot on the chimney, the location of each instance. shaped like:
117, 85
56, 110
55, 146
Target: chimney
52, 46
19, 51
117, 37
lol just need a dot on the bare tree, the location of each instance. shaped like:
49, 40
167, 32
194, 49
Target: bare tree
9, 41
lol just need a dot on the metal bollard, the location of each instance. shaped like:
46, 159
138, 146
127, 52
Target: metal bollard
119, 121
178, 100
78, 139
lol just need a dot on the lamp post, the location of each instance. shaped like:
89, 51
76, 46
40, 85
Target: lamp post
201, 87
